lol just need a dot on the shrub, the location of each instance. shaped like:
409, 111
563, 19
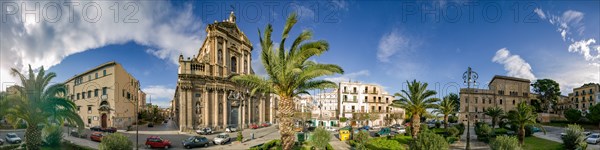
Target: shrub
240, 137
429, 141
52, 135
574, 137
402, 139
115, 141
408, 131
453, 132
452, 139
438, 124
383, 144
361, 139
505, 143
500, 131
573, 115
329, 147
461, 128
452, 119
343, 119
484, 133
320, 138
423, 128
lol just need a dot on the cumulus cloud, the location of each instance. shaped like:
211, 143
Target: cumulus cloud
160, 94
349, 76
390, 44
585, 48
169, 31
513, 64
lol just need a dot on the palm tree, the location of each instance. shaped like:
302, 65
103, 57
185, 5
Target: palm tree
415, 101
290, 73
495, 113
522, 116
40, 105
446, 107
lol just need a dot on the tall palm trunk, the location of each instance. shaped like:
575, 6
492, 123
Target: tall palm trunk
445, 121
494, 122
416, 124
33, 135
521, 134
286, 112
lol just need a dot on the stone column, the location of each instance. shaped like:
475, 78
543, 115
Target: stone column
215, 105
225, 111
205, 108
261, 112
189, 112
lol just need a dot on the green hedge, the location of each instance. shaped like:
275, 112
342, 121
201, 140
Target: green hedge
383, 144
9, 147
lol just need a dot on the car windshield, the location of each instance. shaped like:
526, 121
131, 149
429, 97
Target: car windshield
594, 136
11, 136
221, 136
190, 139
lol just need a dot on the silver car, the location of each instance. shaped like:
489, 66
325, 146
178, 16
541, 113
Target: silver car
221, 139
13, 138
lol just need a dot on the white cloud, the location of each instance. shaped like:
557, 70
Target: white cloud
168, 29
303, 12
349, 76
161, 95
540, 13
585, 47
390, 44
513, 64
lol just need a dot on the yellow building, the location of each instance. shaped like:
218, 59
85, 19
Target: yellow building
356, 97
105, 95
503, 91
585, 96
205, 96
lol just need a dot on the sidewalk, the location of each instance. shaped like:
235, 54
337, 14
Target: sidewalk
475, 144
80, 141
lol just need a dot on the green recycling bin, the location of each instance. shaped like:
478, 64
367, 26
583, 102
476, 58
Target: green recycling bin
300, 136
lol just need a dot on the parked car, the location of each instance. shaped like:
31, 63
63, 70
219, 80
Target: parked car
205, 131
150, 125
97, 136
109, 129
96, 128
330, 129
195, 141
221, 139
265, 124
77, 133
535, 129
399, 129
1, 142
13, 138
586, 133
157, 142
254, 126
593, 138
365, 128
231, 129
384, 132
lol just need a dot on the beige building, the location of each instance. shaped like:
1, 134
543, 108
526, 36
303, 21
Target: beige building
105, 95
358, 97
141, 100
205, 96
585, 96
503, 91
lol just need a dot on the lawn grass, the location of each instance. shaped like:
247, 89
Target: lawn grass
535, 143
403, 140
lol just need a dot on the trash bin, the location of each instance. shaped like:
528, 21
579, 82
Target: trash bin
300, 136
344, 134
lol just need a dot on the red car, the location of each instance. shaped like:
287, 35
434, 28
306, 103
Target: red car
96, 136
156, 141
265, 124
254, 126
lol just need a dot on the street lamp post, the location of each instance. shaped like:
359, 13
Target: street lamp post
469, 77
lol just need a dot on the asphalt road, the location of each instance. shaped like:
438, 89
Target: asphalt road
553, 133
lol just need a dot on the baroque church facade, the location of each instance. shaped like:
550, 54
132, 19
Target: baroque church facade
206, 96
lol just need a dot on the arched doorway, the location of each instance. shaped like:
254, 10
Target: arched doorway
103, 120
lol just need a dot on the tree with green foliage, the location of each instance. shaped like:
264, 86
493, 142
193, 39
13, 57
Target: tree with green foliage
548, 92
289, 73
505, 142
429, 141
573, 115
115, 141
361, 139
239, 137
594, 114
416, 101
495, 113
447, 108
52, 135
522, 116
456, 99
320, 138
40, 104
574, 138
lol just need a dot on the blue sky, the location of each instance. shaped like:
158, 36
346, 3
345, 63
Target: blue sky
383, 42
